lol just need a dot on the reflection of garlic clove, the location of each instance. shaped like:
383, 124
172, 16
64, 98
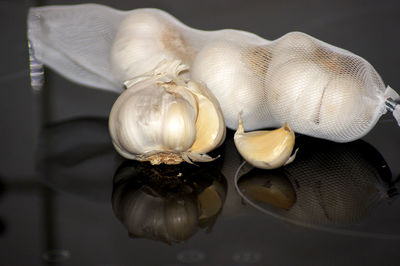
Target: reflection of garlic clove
266, 149
161, 118
272, 189
209, 203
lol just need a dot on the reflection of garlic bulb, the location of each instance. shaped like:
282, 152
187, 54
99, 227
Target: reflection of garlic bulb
169, 203
163, 119
151, 216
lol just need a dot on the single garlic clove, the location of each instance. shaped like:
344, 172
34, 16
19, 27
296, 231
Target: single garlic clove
210, 126
266, 149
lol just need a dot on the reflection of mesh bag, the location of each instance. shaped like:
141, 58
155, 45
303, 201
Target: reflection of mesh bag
334, 184
319, 89
341, 186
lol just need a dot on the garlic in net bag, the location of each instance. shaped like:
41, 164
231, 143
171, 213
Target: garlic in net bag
320, 90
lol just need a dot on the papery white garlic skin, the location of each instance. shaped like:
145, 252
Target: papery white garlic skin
152, 119
266, 149
163, 119
312, 99
145, 38
226, 70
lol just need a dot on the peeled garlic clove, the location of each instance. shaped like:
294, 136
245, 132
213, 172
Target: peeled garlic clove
265, 149
210, 126
161, 118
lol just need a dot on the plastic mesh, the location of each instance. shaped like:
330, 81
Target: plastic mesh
319, 89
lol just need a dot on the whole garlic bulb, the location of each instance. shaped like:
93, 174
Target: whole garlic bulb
161, 118
226, 70
145, 38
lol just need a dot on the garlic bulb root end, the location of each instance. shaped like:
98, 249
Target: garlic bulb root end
166, 158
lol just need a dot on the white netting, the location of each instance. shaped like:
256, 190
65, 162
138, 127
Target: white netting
319, 89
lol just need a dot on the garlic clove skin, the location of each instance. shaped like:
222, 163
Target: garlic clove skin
266, 149
151, 121
225, 69
161, 118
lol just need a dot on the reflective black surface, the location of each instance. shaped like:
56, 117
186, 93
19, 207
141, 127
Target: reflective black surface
67, 198
340, 188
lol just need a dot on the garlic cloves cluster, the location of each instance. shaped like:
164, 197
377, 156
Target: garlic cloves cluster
266, 149
163, 118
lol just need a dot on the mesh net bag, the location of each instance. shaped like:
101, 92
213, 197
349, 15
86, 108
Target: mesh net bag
320, 90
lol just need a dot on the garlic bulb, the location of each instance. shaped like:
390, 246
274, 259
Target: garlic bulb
161, 118
144, 39
224, 67
266, 149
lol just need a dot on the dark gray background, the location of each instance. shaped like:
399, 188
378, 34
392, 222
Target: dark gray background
37, 220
